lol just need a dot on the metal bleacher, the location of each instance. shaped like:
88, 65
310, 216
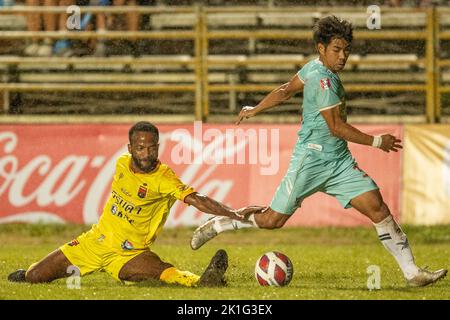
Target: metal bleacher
205, 62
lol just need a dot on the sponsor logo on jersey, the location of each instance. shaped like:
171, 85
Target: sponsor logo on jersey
314, 146
127, 245
123, 209
325, 83
126, 192
123, 204
142, 192
113, 209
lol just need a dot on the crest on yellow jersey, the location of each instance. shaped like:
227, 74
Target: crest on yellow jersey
142, 192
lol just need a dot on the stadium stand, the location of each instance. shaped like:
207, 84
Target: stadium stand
209, 60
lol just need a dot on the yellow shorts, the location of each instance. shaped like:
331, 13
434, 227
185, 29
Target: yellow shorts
89, 253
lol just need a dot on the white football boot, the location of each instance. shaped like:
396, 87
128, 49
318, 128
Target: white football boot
425, 277
212, 228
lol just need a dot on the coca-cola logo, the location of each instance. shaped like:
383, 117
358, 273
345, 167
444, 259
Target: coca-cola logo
40, 183
70, 182
63, 173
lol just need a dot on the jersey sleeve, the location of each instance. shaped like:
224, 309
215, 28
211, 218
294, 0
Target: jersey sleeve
301, 74
324, 89
173, 186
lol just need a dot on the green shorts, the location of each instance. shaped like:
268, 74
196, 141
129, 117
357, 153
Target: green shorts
308, 173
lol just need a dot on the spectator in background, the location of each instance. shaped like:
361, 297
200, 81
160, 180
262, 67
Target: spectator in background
45, 22
430, 3
394, 3
416, 3
105, 22
65, 47
7, 3
102, 22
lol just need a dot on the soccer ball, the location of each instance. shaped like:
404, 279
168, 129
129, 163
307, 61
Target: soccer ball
274, 269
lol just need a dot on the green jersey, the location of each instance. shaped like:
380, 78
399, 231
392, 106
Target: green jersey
322, 90
320, 162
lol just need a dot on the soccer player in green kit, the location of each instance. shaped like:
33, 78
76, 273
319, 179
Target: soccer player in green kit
321, 160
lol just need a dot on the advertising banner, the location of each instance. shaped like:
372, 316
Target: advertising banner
426, 185
62, 173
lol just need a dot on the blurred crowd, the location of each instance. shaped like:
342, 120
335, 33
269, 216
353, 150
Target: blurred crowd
57, 22
417, 3
131, 21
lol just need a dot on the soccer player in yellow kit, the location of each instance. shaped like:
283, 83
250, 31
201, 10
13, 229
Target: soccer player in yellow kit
143, 191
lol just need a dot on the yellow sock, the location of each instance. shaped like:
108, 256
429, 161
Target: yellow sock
185, 278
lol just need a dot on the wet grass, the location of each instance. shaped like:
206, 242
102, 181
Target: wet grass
329, 263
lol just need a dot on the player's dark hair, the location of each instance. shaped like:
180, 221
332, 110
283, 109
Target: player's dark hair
143, 126
331, 27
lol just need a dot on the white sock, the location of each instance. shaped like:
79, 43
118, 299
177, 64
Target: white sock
395, 241
222, 224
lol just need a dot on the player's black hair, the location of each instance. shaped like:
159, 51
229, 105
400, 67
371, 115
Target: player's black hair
331, 27
143, 126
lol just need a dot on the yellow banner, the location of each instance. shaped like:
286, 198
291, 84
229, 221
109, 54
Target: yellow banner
426, 175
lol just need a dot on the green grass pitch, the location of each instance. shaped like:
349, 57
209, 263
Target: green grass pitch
329, 263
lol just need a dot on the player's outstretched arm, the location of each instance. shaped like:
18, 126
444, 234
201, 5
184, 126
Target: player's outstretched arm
347, 132
274, 98
211, 206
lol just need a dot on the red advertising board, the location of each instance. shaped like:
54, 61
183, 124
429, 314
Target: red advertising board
62, 173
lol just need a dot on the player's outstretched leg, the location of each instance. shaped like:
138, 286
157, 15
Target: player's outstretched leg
148, 265
214, 275
268, 219
396, 242
394, 239
52, 267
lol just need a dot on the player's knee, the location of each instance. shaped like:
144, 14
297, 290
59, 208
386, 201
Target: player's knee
381, 208
379, 212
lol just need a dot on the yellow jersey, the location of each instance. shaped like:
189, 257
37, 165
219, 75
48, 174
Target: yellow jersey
138, 206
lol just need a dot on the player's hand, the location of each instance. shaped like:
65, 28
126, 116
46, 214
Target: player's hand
243, 213
246, 112
390, 143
